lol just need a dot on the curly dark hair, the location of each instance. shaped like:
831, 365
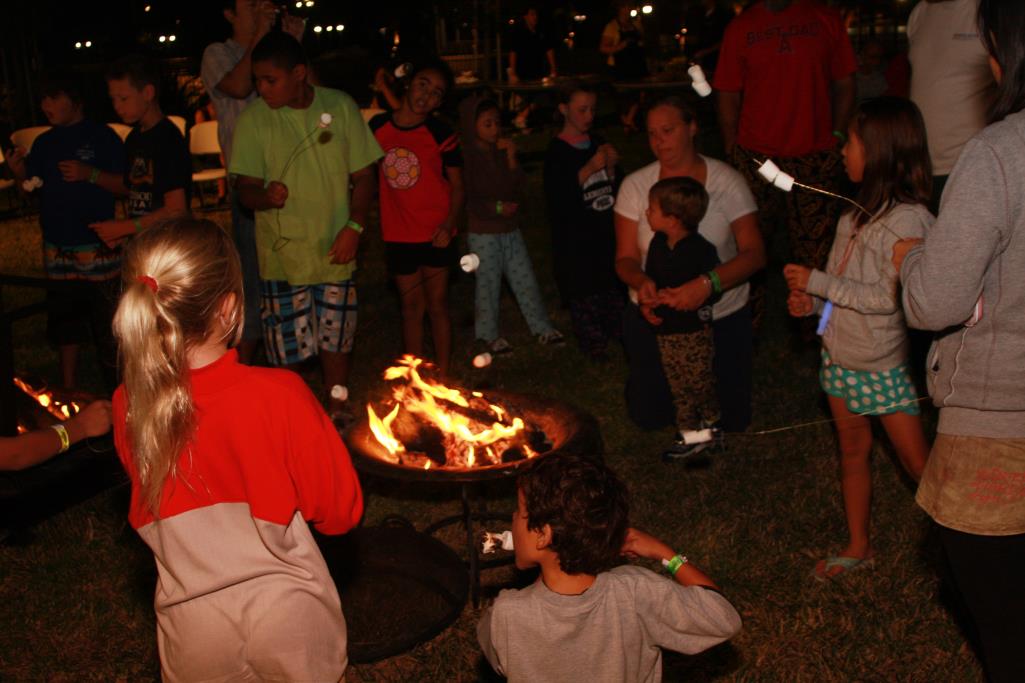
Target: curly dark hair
586, 506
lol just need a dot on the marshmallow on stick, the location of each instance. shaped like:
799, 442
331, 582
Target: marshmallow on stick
493, 541
340, 392
482, 360
774, 175
469, 263
698, 80
692, 436
325, 120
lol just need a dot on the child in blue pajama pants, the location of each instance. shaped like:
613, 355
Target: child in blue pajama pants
493, 186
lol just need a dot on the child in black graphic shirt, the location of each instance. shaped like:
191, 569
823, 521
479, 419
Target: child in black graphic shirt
581, 178
158, 169
679, 254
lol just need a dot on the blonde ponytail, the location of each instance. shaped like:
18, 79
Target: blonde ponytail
176, 277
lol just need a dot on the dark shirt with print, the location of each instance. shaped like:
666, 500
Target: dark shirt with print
673, 266
67, 208
157, 162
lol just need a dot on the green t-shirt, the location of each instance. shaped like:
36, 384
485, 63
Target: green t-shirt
317, 179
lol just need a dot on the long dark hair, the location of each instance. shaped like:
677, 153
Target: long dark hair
897, 168
1002, 26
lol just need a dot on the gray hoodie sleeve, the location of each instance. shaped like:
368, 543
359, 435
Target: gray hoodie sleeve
877, 294
943, 277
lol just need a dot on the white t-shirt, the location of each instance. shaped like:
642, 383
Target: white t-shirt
950, 77
729, 198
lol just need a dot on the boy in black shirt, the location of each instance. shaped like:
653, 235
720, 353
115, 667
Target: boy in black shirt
80, 163
678, 254
158, 171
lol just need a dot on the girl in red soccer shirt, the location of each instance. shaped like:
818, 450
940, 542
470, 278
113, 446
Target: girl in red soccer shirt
421, 188
228, 463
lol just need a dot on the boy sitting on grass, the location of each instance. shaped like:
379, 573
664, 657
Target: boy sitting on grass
584, 618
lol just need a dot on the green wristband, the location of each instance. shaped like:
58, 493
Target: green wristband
716, 283
673, 565
498, 207
138, 224
94, 176
354, 226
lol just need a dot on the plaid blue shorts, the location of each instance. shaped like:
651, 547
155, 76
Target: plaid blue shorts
300, 320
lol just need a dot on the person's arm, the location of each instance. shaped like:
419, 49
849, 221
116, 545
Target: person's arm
628, 260
19, 452
253, 195
77, 172
447, 230
944, 277
729, 117
641, 544
16, 161
845, 95
346, 242
609, 45
511, 71
238, 82
113, 232
552, 70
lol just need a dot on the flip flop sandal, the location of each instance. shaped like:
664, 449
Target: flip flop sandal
846, 565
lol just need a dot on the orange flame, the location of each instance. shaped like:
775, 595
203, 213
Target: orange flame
57, 408
469, 442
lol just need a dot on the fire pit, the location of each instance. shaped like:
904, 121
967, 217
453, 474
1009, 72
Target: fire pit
430, 432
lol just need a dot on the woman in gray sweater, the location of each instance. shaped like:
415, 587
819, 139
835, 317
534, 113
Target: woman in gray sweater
966, 282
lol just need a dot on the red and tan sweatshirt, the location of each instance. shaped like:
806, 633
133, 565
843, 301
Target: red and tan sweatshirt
242, 588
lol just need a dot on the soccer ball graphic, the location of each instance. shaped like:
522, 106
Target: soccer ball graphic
401, 168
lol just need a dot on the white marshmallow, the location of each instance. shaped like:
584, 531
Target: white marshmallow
491, 540
482, 360
769, 170
691, 436
402, 69
784, 181
33, 183
703, 89
325, 120
698, 80
469, 263
340, 393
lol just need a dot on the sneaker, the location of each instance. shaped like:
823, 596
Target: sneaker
550, 338
499, 346
691, 444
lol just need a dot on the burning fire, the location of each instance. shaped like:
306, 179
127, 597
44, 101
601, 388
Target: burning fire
45, 398
473, 431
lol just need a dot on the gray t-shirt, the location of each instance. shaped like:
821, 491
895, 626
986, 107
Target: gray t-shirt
611, 632
218, 60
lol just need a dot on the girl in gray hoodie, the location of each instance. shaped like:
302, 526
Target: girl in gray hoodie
865, 343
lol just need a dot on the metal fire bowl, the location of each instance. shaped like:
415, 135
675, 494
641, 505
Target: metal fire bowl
568, 429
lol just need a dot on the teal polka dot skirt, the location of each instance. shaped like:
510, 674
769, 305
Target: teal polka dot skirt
870, 393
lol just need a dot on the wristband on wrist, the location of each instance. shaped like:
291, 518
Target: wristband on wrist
138, 224
498, 207
713, 277
94, 176
839, 135
673, 565
353, 225
62, 433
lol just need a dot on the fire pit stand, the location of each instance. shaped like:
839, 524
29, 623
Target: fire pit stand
567, 428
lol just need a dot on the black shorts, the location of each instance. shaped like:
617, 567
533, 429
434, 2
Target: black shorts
405, 258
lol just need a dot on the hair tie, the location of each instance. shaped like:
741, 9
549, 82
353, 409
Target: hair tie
148, 281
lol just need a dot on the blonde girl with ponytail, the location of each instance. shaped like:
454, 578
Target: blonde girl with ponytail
228, 463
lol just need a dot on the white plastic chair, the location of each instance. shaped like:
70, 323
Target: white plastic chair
202, 142
178, 121
121, 129
25, 137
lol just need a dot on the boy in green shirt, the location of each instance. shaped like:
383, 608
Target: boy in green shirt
295, 153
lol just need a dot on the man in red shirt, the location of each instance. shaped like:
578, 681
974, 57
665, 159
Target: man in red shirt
785, 82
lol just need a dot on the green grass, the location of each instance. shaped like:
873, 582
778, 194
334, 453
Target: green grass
76, 602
